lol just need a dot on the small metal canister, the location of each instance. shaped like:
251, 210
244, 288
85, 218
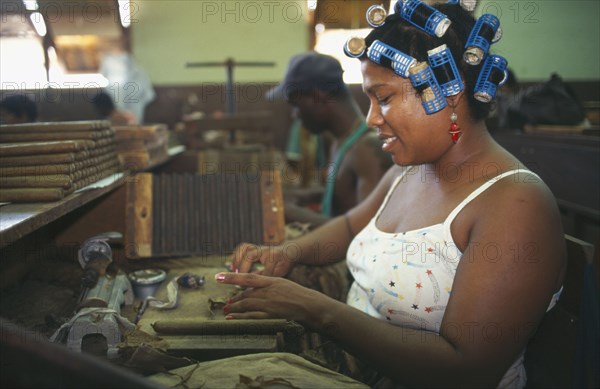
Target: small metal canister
146, 282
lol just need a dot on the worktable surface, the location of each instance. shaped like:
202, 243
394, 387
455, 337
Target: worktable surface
193, 304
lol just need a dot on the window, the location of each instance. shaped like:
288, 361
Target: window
58, 43
334, 21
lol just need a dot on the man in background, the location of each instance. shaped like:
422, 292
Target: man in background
17, 109
106, 109
313, 85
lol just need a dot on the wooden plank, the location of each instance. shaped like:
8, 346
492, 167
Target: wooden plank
272, 205
94, 218
138, 234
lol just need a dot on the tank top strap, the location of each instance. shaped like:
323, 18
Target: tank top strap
480, 190
390, 191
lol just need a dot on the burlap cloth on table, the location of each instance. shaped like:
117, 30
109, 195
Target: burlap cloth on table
263, 370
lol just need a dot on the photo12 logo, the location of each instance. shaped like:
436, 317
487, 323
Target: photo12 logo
513, 11
252, 11
73, 12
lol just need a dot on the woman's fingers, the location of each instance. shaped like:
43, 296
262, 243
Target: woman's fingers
249, 293
250, 280
244, 257
247, 308
265, 297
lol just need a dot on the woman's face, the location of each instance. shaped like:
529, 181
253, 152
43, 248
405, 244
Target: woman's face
410, 135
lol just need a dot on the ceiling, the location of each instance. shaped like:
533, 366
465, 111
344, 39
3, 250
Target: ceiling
345, 13
79, 30
79, 17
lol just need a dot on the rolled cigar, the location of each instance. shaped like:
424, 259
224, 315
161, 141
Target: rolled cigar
31, 195
39, 170
106, 141
53, 136
51, 147
12, 170
225, 327
85, 125
102, 150
32, 160
44, 159
46, 181
94, 177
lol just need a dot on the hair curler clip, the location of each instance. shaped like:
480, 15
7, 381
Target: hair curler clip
385, 55
376, 15
423, 80
485, 32
423, 16
467, 5
493, 74
355, 47
445, 70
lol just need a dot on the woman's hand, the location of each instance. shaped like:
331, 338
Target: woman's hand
274, 259
272, 298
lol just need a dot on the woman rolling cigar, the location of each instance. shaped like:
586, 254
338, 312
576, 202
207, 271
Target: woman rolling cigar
458, 253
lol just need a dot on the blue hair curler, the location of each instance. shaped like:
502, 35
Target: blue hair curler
485, 32
423, 80
445, 70
385, 55
492, 75
423, 16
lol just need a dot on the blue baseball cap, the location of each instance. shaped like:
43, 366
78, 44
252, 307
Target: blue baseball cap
308, 71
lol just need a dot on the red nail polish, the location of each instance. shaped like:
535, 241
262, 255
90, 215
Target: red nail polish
226, 308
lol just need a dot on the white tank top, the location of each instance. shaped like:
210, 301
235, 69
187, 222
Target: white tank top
406, 278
